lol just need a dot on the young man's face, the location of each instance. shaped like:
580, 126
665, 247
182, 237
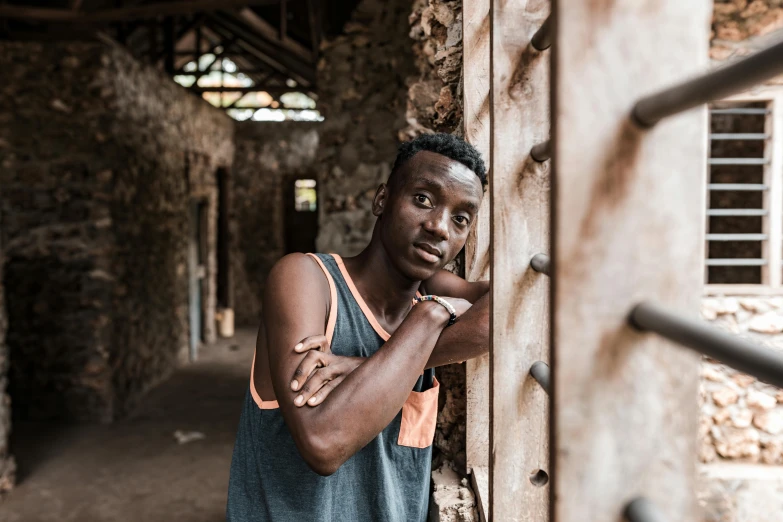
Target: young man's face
427, 212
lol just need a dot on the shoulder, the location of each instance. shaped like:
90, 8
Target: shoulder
296, 272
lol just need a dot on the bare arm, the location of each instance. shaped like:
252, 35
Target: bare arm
469, 336
368, 399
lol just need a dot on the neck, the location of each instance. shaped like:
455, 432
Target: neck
384, 288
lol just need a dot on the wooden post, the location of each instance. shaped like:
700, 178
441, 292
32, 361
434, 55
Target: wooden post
476, 82
628, 216
519, 407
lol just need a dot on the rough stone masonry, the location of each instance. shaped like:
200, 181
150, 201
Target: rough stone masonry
101, 158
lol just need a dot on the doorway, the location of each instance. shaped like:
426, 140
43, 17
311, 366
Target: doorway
301, 214
197, 271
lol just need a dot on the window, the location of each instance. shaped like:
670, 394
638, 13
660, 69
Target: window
305, 196
745, 197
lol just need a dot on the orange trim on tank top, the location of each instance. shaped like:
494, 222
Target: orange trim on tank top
360, 300
330, 323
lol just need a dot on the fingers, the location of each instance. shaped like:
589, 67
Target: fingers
315, 383
311, 361
314, 342
321, 395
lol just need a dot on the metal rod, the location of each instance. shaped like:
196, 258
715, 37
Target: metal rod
737, 212
642, 509
739, 111
541, 152
737, 186
714, 85
541, 263
738, 136
540, 372
737, 237
741, 354
542, 40
738, 161
743, 261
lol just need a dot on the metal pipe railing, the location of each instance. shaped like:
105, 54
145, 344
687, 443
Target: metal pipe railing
641, 509
746, 356
542, 40
714, 85
541, 152
541, 263
540, 372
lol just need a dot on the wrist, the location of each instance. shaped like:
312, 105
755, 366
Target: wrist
433, 312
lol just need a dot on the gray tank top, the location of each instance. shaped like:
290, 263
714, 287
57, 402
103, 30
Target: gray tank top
386, 481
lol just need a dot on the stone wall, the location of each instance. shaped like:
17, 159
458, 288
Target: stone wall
266, 154
7, 464
739, 26
100, 157
362, 76
741, 417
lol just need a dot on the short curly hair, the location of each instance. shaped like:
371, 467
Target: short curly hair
446, 145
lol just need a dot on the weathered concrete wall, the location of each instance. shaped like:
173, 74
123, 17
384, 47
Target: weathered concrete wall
266, 154
100, 157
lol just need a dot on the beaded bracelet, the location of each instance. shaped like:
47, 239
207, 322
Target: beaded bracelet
443, 302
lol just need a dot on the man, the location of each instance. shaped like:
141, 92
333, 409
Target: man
340, 416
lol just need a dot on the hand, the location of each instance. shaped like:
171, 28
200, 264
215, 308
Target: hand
320, 371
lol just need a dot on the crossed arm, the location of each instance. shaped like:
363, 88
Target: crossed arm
373, 391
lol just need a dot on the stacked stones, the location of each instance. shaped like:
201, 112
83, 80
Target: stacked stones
362, 80
435, 98
736, 23
100, 158
741, 417
7, 463
266, 154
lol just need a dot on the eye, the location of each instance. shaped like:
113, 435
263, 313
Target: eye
461, 220
424, 200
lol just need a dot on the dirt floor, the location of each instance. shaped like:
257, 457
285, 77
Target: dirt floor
135, 470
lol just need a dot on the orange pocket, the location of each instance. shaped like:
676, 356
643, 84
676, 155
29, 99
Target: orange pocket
419, 418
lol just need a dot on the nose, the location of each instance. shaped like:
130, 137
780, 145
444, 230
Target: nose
438, 225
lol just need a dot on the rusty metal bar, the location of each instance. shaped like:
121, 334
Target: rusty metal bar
642, 509
540, 372
542, 151
744, 355
542, 40
541, 263
714, 85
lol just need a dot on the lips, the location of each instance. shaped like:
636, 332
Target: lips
427, 252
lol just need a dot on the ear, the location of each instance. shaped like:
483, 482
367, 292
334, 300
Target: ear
380, 200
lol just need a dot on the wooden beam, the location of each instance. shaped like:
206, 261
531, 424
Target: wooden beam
519, 407
266, 52
125, 13
475, 71
314, 20
283, 20
274, 91
264, 29
628, 225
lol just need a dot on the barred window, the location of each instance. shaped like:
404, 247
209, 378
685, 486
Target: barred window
745, 202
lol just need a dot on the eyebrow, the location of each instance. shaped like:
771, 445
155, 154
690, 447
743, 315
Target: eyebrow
439, 186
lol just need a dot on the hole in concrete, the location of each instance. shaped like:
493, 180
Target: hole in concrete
539, 478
